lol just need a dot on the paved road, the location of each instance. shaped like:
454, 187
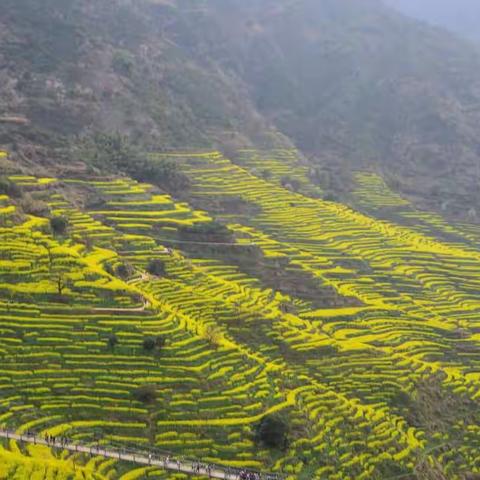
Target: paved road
168, 463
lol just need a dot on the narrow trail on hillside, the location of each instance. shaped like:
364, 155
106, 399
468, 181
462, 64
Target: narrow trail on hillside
166, 461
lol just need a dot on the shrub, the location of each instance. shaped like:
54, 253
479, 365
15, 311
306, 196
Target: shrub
145, 393
266, 174
32, 206
272, 431
112, 340
330, 197
123, 62
109, 269
156, 267
290, 183
149, 344
59, 225
402, 399
212, 336
9, 188
124, 271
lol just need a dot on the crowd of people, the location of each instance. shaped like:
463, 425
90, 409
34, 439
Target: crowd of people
56, 441
197, 467
245, 475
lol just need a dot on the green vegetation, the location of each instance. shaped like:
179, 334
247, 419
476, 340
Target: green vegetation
112, 340
378, 372
59, 225
114, 152
9, 188
272, 431
228, 307
207, 232
149, 344
124, 271
146, 394
156, 267
323, 90
123, 62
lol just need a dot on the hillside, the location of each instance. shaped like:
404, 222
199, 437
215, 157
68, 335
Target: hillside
239, 233
360, 333
349, 83
357, 83
69, 67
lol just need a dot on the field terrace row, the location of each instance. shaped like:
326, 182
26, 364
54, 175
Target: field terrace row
372, 193
136, 208
432, 302
376, 250
344, 350
281, 166
65, 371
374, 196
207, 294
246, 326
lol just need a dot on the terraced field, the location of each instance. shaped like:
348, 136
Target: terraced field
360, 327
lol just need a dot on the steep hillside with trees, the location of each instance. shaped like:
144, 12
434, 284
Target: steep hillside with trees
351, 83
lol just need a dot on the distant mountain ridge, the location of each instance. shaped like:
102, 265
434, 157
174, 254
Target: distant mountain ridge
459, 16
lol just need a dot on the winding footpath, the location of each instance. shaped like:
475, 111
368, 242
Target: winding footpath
166, 462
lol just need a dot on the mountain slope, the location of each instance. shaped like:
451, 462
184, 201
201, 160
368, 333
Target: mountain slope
355, 81
360, 334
351, 83
71, 65
192, 316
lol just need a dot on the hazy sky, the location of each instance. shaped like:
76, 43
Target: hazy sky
462, 16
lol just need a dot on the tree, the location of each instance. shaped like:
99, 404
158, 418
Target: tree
145, 393
7, 187
112, 340
272, 431
60, 284
290, 183
266, 174
124, 271
149, 344
152, 343
123, 62
156, 267
59, 225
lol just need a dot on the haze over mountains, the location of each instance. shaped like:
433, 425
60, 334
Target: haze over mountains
349, 82
460, 16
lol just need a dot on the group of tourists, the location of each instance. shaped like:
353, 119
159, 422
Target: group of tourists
56, 441
245, 475
197, 467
